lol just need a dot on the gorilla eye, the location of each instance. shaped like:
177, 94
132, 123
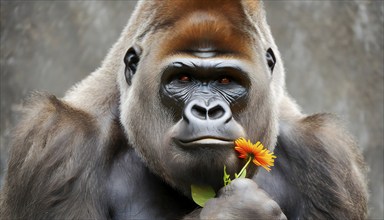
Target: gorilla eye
184, 78
224, 80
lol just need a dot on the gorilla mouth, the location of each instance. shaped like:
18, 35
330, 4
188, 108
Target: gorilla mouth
206, 141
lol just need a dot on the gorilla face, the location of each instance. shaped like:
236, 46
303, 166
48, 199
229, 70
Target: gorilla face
192, 96
202, 93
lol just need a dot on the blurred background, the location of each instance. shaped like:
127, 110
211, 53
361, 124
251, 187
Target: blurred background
332, 51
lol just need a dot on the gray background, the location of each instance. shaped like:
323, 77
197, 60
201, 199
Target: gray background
333, 53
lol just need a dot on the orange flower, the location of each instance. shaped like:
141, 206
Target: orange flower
260, 156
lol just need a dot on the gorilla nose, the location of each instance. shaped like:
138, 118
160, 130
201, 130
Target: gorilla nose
217, 111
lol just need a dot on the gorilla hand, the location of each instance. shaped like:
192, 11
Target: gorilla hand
242, 199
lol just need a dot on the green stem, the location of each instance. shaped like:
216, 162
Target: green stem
245, 166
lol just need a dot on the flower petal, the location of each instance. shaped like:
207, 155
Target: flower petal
261, 156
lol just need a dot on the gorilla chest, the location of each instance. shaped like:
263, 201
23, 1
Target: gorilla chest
135, 193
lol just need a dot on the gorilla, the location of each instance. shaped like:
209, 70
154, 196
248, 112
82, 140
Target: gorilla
185, 79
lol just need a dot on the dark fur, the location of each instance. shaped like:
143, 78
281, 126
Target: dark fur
71, 158
56, 156
315, 158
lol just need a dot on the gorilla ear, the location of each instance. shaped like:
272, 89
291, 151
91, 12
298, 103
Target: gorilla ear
131, 60
271, 59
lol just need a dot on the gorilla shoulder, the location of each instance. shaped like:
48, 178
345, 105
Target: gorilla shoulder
50, 145
318, 146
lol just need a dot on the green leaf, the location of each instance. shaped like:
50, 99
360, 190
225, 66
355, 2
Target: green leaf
201, 194
226, 178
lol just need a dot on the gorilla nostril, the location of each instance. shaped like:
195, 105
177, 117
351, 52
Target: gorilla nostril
216, 112
199, 112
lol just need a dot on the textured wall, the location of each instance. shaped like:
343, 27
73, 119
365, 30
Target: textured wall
333, 53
